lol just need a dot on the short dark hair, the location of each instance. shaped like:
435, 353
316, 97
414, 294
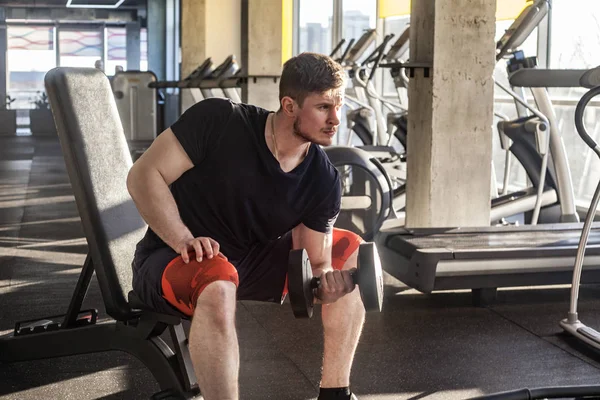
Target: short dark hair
309, 73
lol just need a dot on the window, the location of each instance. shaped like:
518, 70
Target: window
395, 25
144, 49
116, 49
76, 47
358, 16
25, 78
575, 44
315, 30
80, 48
575, 36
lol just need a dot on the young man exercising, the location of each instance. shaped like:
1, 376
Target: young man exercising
227, 192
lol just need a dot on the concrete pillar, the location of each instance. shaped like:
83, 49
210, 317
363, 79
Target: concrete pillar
132, 31
157, 39
209, 28
450, 144
268, 35
224, 30
193, 34
3, 56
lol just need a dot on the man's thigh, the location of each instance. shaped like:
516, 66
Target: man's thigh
166, 283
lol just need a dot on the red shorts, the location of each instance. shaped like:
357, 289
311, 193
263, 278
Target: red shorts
261, 275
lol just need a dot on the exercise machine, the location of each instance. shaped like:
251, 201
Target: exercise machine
221, 82
137, 104
572, 324
365, 118
490, 257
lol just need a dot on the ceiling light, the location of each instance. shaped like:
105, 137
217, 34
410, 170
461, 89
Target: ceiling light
94, 4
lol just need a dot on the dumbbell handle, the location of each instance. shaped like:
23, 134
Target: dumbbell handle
316, 281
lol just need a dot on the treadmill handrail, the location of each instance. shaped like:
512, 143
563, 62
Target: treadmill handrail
522, 204
522, 27
591, 78
533, 77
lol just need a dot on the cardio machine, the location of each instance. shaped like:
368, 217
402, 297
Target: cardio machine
572, 324
207, 81
483, 259
365, 118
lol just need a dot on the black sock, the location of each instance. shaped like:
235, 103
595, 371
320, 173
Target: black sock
342, 393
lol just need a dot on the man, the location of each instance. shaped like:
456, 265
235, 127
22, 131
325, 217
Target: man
227, 192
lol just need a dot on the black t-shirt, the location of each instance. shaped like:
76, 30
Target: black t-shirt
237, 193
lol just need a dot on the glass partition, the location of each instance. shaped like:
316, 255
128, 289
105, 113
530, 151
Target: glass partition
80, 48
24, 77
116, 49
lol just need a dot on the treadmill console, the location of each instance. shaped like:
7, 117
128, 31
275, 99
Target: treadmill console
519, 61
400, 47
520, 30
226, 69
361, 46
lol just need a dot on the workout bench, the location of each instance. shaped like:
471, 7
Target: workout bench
98, 160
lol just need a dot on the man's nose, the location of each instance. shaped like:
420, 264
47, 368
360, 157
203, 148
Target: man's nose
334, 117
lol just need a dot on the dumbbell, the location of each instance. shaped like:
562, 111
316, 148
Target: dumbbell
367, 275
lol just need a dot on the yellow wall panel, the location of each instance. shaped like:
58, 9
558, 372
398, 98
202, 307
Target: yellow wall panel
505, 9
287, 26
509, 9
393, 8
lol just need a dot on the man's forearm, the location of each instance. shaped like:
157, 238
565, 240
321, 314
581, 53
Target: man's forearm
156, 205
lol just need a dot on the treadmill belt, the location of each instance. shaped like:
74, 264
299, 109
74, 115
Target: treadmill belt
541, 240
489, 257
512, 240
499, 238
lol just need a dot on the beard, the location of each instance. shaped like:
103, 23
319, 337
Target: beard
316, 139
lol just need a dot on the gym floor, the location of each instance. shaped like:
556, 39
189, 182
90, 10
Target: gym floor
421, 346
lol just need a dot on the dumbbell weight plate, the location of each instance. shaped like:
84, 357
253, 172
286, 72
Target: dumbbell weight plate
299, 290
370, 277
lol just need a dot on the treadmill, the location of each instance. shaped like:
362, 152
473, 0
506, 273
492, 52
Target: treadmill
483, 259
222, 80
430, 259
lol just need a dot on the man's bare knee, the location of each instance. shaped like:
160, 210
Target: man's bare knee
217, 302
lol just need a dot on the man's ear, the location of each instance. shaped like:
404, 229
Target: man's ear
289, 106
